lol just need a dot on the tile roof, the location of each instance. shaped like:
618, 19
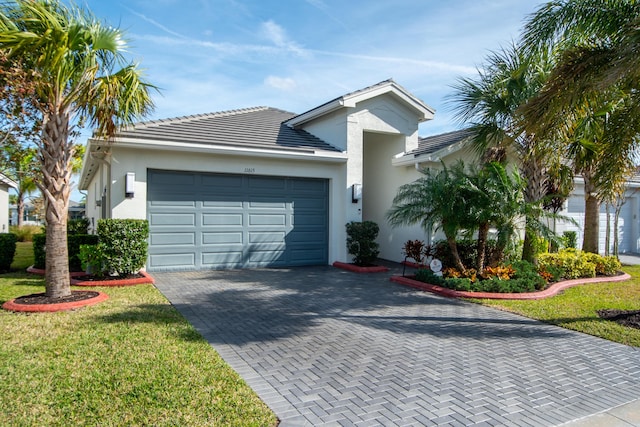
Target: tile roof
431, 144
258, 128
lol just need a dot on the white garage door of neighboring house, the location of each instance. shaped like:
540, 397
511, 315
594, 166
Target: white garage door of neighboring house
575, 210
213, 221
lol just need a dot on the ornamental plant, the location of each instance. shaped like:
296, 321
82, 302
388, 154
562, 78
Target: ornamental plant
361, 242
123, 245
7, 250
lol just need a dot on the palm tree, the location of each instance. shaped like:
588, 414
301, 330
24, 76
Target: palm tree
491, 104
437, 198
80, 76
597, 70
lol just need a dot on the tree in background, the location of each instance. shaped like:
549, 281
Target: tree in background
80, 77
595, 43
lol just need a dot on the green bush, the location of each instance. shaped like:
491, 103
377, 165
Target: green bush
573, 264
25, 233
361, 242
73, 246
91, 259
39, 254
525, 279
7, 250
74, 242
468, 251
570, 239
78, 226
123, 244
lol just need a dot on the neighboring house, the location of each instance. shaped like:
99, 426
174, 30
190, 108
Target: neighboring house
264, 187
5, 185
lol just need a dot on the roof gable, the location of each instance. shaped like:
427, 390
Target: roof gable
350, 100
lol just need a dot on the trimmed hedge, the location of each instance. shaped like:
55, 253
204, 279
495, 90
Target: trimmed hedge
361, 242
74, 241
123, 244
7, 250
39, 254
73, 246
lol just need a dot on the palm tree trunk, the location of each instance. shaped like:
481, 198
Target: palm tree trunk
590, 240
453, 247
533, 170
20, 207
483, 233
55, 157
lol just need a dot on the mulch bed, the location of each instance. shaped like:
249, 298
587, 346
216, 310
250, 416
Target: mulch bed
629, 318
107, 278
43, 299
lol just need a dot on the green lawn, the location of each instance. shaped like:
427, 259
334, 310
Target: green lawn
132, 360
576, 308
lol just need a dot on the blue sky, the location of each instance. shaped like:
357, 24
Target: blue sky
215, 55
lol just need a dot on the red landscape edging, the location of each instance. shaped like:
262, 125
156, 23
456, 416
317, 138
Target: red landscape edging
123, 282
549, 292
357, 269
11, 305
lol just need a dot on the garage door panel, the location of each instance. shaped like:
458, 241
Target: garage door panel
222, 259
213, 203
171, 260
310, 185
260, 219
235, 221
266, 183
172, 219
221, 183
221, 219
226, 238
172, 239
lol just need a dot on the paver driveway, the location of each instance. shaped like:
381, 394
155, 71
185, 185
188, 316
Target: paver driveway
322, 346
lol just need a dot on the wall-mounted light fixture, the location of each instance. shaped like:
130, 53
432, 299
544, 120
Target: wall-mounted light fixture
129, 180
356, 193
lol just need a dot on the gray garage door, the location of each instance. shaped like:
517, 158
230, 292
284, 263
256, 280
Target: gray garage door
213, 221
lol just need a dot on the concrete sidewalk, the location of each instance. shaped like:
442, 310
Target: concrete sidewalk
322, 346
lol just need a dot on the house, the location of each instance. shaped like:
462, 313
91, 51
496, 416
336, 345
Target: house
265, 187
5, 185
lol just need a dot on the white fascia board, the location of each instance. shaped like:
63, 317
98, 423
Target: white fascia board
436, 157
320, 111
426, 112
8, 181
316, 155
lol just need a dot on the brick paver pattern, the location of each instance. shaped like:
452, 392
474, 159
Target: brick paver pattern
322, 346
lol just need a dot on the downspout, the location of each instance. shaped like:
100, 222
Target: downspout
92, 154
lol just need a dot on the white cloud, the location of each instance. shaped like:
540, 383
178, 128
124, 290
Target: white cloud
282, 83
278, 36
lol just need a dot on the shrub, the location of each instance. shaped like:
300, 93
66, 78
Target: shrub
361, 242
123, 244
39, 254
524, 278
78, 226
25, 233
91, 259
573, 264
74, 242
417, 250
570, 239
7, 250
468, 251
73, 246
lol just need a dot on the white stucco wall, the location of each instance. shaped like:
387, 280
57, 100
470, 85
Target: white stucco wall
4, 208
125, 159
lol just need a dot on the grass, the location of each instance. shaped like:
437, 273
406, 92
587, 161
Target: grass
132, 360
23, 257
576, 308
